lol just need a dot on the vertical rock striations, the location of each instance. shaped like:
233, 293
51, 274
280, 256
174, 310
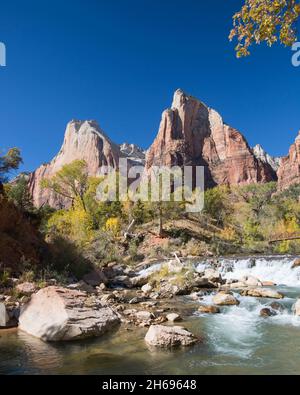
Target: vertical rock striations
289, 169
83, 140
193, 134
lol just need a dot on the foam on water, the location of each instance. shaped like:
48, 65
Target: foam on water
239, 330
236, 331
276, 269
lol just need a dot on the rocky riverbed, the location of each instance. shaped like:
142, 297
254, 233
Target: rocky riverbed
235, 315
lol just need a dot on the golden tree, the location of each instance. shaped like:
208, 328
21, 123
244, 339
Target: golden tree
267, 21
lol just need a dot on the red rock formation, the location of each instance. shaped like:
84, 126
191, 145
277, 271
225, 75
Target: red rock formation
192, 134
83, 140
289, 169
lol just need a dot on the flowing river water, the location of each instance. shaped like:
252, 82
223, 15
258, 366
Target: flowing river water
237, 341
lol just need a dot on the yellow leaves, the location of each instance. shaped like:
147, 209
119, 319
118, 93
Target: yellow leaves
75, 224
228, 234
113, 225
264, 21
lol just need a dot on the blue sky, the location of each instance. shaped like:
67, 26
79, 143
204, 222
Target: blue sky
120, 61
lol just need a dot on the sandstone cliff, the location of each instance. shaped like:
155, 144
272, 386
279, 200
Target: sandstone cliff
289, 169
193, 134
83, 140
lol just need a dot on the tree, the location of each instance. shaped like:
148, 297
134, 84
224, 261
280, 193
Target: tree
20, 195
267, 21
8, 162
71, 182
257, 196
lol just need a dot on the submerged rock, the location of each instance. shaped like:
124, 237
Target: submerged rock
225, 299
277, 307
60, 314
296, 264
267, 313
168, 337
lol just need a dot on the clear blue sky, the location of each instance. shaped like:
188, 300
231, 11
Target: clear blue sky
120, 61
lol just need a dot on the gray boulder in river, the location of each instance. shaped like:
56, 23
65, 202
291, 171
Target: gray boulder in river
59, 314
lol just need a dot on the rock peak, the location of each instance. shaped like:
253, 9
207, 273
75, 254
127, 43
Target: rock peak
193, 134
288, 173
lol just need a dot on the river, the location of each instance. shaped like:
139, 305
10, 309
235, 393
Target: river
237, 341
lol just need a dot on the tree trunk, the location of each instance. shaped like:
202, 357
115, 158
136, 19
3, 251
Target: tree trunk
160, 229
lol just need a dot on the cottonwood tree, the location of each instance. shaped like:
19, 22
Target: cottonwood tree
71, 182
267, 21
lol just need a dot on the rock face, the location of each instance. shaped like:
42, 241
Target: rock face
134, 153
59, 314
264, 157
289, 169
168, 337
83, 140
192, 134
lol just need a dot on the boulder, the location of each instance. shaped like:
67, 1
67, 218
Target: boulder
95, 278
173, 317
209, 309
202, 282
225, 299
252, 281
147, 289
122, 281
26, 289
212, 275
296, 308
140, 280
144, 316
268, 284
266, 312
263, 293
4, 318
60, 314
296, 264
82, 286
238, 285
168, 337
